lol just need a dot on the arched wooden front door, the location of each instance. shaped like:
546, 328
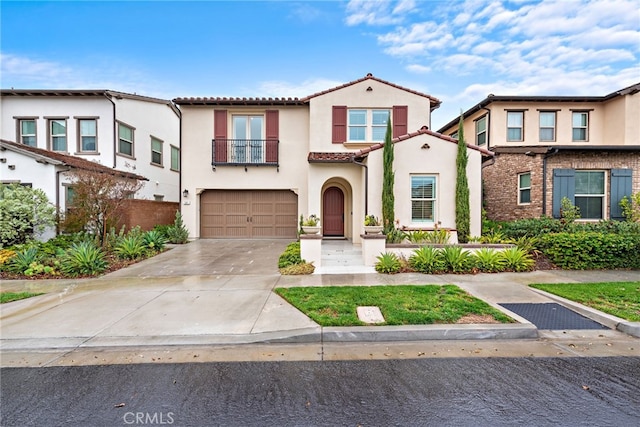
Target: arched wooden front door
333, 212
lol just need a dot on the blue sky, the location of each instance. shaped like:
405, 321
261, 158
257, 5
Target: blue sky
458, 51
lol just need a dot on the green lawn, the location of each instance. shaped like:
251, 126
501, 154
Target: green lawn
621, 299
15, 296
400, 305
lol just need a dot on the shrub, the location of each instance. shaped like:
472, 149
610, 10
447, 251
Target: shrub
23, 259
516, 259
592, 250
24, 213
153, 241
178, 233
531, 227
298, 269
488, 260
395, 235
568, 211
131, 246
457, 260
6, 255
290, 256
529, 244
163, 229
84, 258
631, 207
427, 259
388, 263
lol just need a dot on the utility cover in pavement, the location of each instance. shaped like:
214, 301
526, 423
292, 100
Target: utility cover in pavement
552, 316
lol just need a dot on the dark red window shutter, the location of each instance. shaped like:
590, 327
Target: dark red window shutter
339, 121
272, 133
220, 135
399, 120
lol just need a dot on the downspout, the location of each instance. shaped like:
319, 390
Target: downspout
488, 126
180, 161
551, 152
115, 139
58, 172
366, 183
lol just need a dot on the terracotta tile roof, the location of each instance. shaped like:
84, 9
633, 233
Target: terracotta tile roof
68, 160
238, 101
338, 157
435, 102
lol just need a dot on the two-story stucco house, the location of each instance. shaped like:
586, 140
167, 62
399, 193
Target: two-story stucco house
585, 148
252, 166
121, 131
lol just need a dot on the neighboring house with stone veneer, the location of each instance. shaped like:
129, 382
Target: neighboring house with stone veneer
585, 148
121, 131
257, 164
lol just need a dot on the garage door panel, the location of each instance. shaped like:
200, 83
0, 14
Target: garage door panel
248, 214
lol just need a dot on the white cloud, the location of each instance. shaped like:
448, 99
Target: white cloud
378, 12
418, 69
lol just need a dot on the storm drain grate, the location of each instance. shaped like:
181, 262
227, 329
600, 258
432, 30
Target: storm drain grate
552, 316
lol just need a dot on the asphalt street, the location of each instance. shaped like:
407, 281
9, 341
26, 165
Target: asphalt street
419, 392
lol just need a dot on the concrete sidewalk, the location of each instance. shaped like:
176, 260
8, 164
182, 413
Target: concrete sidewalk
154, 304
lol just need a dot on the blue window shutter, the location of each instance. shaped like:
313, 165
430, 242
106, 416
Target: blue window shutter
564, 185
620, 187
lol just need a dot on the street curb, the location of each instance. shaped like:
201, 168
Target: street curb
608, 320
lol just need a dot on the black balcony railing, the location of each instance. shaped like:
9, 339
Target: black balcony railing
244, 152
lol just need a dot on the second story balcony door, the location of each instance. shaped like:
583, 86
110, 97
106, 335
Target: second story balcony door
248, 131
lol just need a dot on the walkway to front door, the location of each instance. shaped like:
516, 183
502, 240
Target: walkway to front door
333, 212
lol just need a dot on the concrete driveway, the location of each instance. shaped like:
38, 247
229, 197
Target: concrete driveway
207, 257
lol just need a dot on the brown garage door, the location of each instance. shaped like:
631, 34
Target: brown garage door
242, 214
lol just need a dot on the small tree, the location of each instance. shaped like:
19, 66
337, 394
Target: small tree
462, 188
98, 200
25, 212
388, 178
631, 207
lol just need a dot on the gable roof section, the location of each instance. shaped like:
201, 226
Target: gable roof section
56, 158
435, 102
630, 90
349, 156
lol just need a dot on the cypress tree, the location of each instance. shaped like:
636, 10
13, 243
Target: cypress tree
462, 188
388, 177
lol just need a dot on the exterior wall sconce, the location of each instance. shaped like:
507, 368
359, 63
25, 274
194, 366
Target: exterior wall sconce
185, 193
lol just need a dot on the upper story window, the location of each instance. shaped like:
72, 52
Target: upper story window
27, 132
367, 125
175, 158
125, 140
481, 131
524, 188
547, 125
58, 134
454, 135
156, 151
248, 134
515, 124
580, 126
87, 135
423, 198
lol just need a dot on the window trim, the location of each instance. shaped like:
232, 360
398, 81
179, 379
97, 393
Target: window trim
477, 133
521, 127
368, 125
434, 199
19, 120
173, 147
79, 135
586, 127
605, 188
161, 164
554, 128
521, 189
132, 142
50, 136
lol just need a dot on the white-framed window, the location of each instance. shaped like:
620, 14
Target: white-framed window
175, 158
454, 135
590, 194
481, 131
87, 135
423, 198
156, 151
248, 135
515, 125
27, 132
524, 188
125, 140
58, 134
547, 125
580, 126
367, 125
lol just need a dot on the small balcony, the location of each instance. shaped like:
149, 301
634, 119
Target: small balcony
244, 152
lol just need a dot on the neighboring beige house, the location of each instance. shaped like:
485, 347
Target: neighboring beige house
585, 148
121, 131
252, 166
